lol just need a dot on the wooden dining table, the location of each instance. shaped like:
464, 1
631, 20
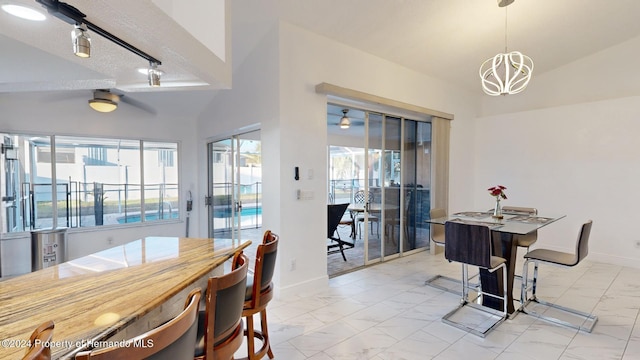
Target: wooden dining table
503, 231
113, 294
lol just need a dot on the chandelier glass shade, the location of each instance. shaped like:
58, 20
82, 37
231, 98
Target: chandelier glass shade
506, 74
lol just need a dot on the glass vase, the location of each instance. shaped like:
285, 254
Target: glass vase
497, 210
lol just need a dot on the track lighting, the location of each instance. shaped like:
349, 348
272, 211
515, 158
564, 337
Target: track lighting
154, 75
81, 41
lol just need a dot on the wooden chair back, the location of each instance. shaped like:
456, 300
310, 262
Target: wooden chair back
173, 340
39, 340
223, 311
261, 285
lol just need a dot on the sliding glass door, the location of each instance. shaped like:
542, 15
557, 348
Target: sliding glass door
382, 161
384, 216
235, 185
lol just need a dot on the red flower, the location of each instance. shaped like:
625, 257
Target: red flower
498, 191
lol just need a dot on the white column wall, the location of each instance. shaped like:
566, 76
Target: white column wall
252, 101
304, 60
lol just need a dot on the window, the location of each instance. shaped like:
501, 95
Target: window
97, 182
161, 181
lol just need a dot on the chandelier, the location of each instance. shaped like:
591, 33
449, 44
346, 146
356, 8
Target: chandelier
506, 73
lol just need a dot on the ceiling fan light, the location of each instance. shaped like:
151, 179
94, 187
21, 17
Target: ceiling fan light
81, 41
104, 101
103, 105
345, 123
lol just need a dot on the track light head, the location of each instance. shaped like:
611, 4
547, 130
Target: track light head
154, 75
81, 41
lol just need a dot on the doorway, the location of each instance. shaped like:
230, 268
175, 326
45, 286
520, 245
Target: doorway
234, 197
386, 158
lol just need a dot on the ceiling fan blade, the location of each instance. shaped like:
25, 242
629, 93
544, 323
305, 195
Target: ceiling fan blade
57, 96
138, 104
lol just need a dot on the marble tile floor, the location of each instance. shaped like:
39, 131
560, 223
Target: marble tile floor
385, 312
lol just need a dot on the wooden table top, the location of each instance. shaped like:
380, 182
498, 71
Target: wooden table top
96, 295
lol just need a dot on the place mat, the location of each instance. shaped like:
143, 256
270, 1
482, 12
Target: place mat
473, 214
491, 225
516, 212
531, 219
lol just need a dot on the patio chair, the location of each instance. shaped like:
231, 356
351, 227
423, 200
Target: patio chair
334, 216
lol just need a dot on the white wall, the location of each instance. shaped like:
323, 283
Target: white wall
252, 101
579, 160
281, 97
568, 145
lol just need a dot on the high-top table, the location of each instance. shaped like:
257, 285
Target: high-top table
513, 223
103, 296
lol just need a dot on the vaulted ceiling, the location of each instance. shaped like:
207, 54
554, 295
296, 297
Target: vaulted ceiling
446, 39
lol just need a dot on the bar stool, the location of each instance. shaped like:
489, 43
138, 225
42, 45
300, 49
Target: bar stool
471, 244
436, 232
39, 348
561, 259
173, 340
220, 327
259, 293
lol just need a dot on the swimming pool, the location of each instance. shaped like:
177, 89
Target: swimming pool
225, 212
148, 217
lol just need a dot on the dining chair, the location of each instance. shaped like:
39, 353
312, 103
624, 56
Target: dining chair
436, 231
360, 197
524, 241
334, 214
259, 292
39, 341
471, 244
561, 259
393, 219
173, 340
220, 326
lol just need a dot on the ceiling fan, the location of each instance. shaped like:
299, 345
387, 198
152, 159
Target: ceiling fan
106, 101
345, 121
103, 100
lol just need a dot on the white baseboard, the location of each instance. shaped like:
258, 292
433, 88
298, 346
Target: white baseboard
303, 288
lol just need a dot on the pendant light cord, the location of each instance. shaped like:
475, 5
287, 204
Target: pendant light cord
505, 28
